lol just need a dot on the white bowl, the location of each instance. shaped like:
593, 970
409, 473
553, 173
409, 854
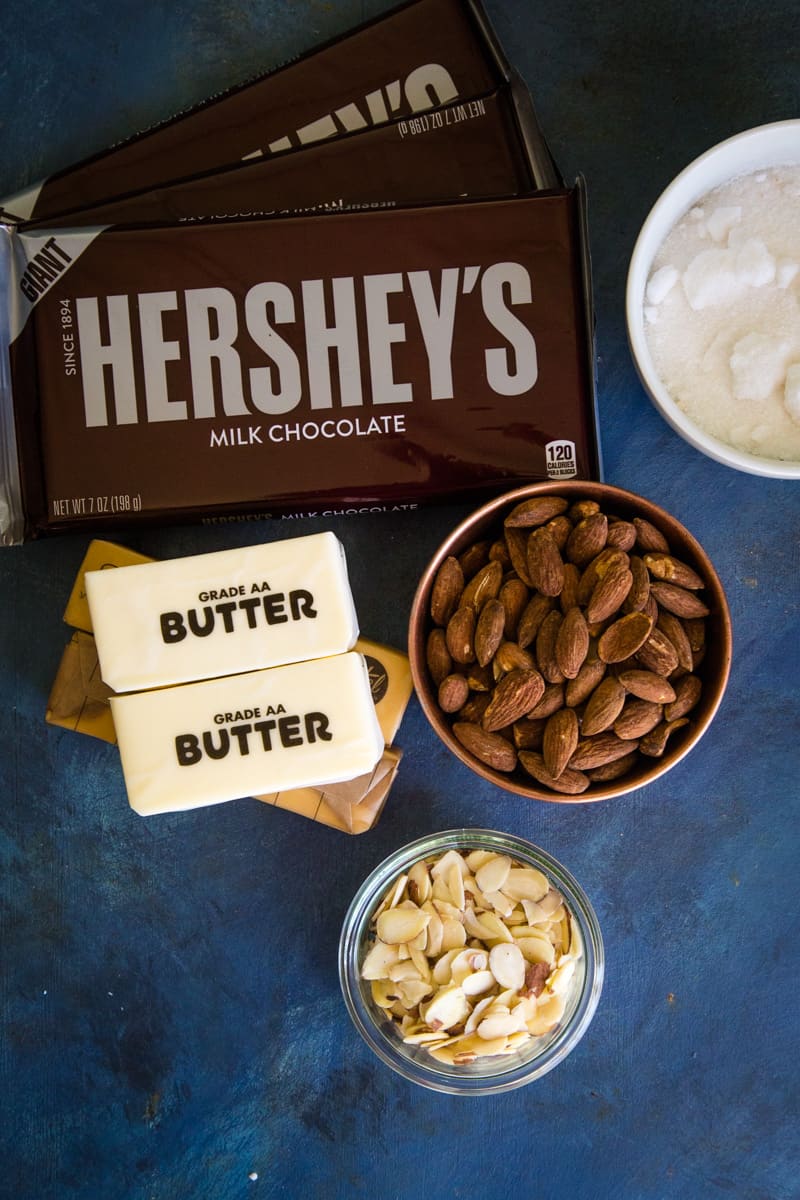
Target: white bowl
755, 149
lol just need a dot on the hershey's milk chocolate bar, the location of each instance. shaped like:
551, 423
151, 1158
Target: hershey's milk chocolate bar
305, 364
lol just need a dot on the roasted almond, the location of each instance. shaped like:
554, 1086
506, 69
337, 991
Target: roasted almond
603, 706
672, 570
559, 741
514, 596
559, 529
654, 744
484, 585
438, 658
474, 557
658, 654
587, 539
637, 718
570, 782
489, 630
545, 564
511, 657
568, 596
678, 600
572, 643
552, 699
517, 542
446, 590
538, 510
490, 748
647, 685
529, 733
673, 628
600, 749
546, 640
688, 690
613, 770
532, 617
581, 687
621, 534
514, 696
648, 538
453, 693
639, 594
609, 593
460, 634
624, 637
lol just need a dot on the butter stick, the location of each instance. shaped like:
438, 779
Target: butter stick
302, 725
208, 615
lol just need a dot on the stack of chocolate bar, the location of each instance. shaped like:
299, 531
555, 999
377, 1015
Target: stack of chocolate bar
356, 283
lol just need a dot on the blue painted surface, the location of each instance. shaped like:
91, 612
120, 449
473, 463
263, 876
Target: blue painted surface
171, 1020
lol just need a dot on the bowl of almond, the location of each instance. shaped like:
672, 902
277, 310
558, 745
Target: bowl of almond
471, 961
570, 642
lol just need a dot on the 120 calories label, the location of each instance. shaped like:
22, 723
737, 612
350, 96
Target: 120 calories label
87, 506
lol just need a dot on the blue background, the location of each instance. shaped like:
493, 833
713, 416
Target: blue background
171, 1019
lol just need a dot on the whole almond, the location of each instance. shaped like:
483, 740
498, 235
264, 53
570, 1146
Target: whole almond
600, 749
607, 560
688, 690
559, 529
460, 634
637, 718
514, 697
532, 617
613, 770
545, 564
587, 539
672, 570
546, 639
649, 538
514, 596
498, 552
474, 557
489, 630
484, 585
446, 591
673, 628
437, 656
609, 593
624, 637
453, 693
658, 654
647, 685
570, 782
538, 510
559, 741
490, 748
581, 687
475, 707
654, 744
572, 643
511, 657
678, 600
603, 706
551, 700
583, 508
517, 542
639, 594
621, 534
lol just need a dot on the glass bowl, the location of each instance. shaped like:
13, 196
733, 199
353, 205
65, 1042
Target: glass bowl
499, 1072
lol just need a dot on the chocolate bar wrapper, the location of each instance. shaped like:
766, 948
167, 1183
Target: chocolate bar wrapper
313, 365
418, 56
475, 147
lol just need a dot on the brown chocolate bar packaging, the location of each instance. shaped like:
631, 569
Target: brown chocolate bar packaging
306, 364
473, 147
418, 56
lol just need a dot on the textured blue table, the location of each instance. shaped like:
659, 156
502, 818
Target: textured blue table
171, 1020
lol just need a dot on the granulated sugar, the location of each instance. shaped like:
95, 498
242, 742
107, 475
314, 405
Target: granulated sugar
722, 313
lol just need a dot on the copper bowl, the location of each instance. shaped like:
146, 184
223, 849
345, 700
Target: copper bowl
486, 523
